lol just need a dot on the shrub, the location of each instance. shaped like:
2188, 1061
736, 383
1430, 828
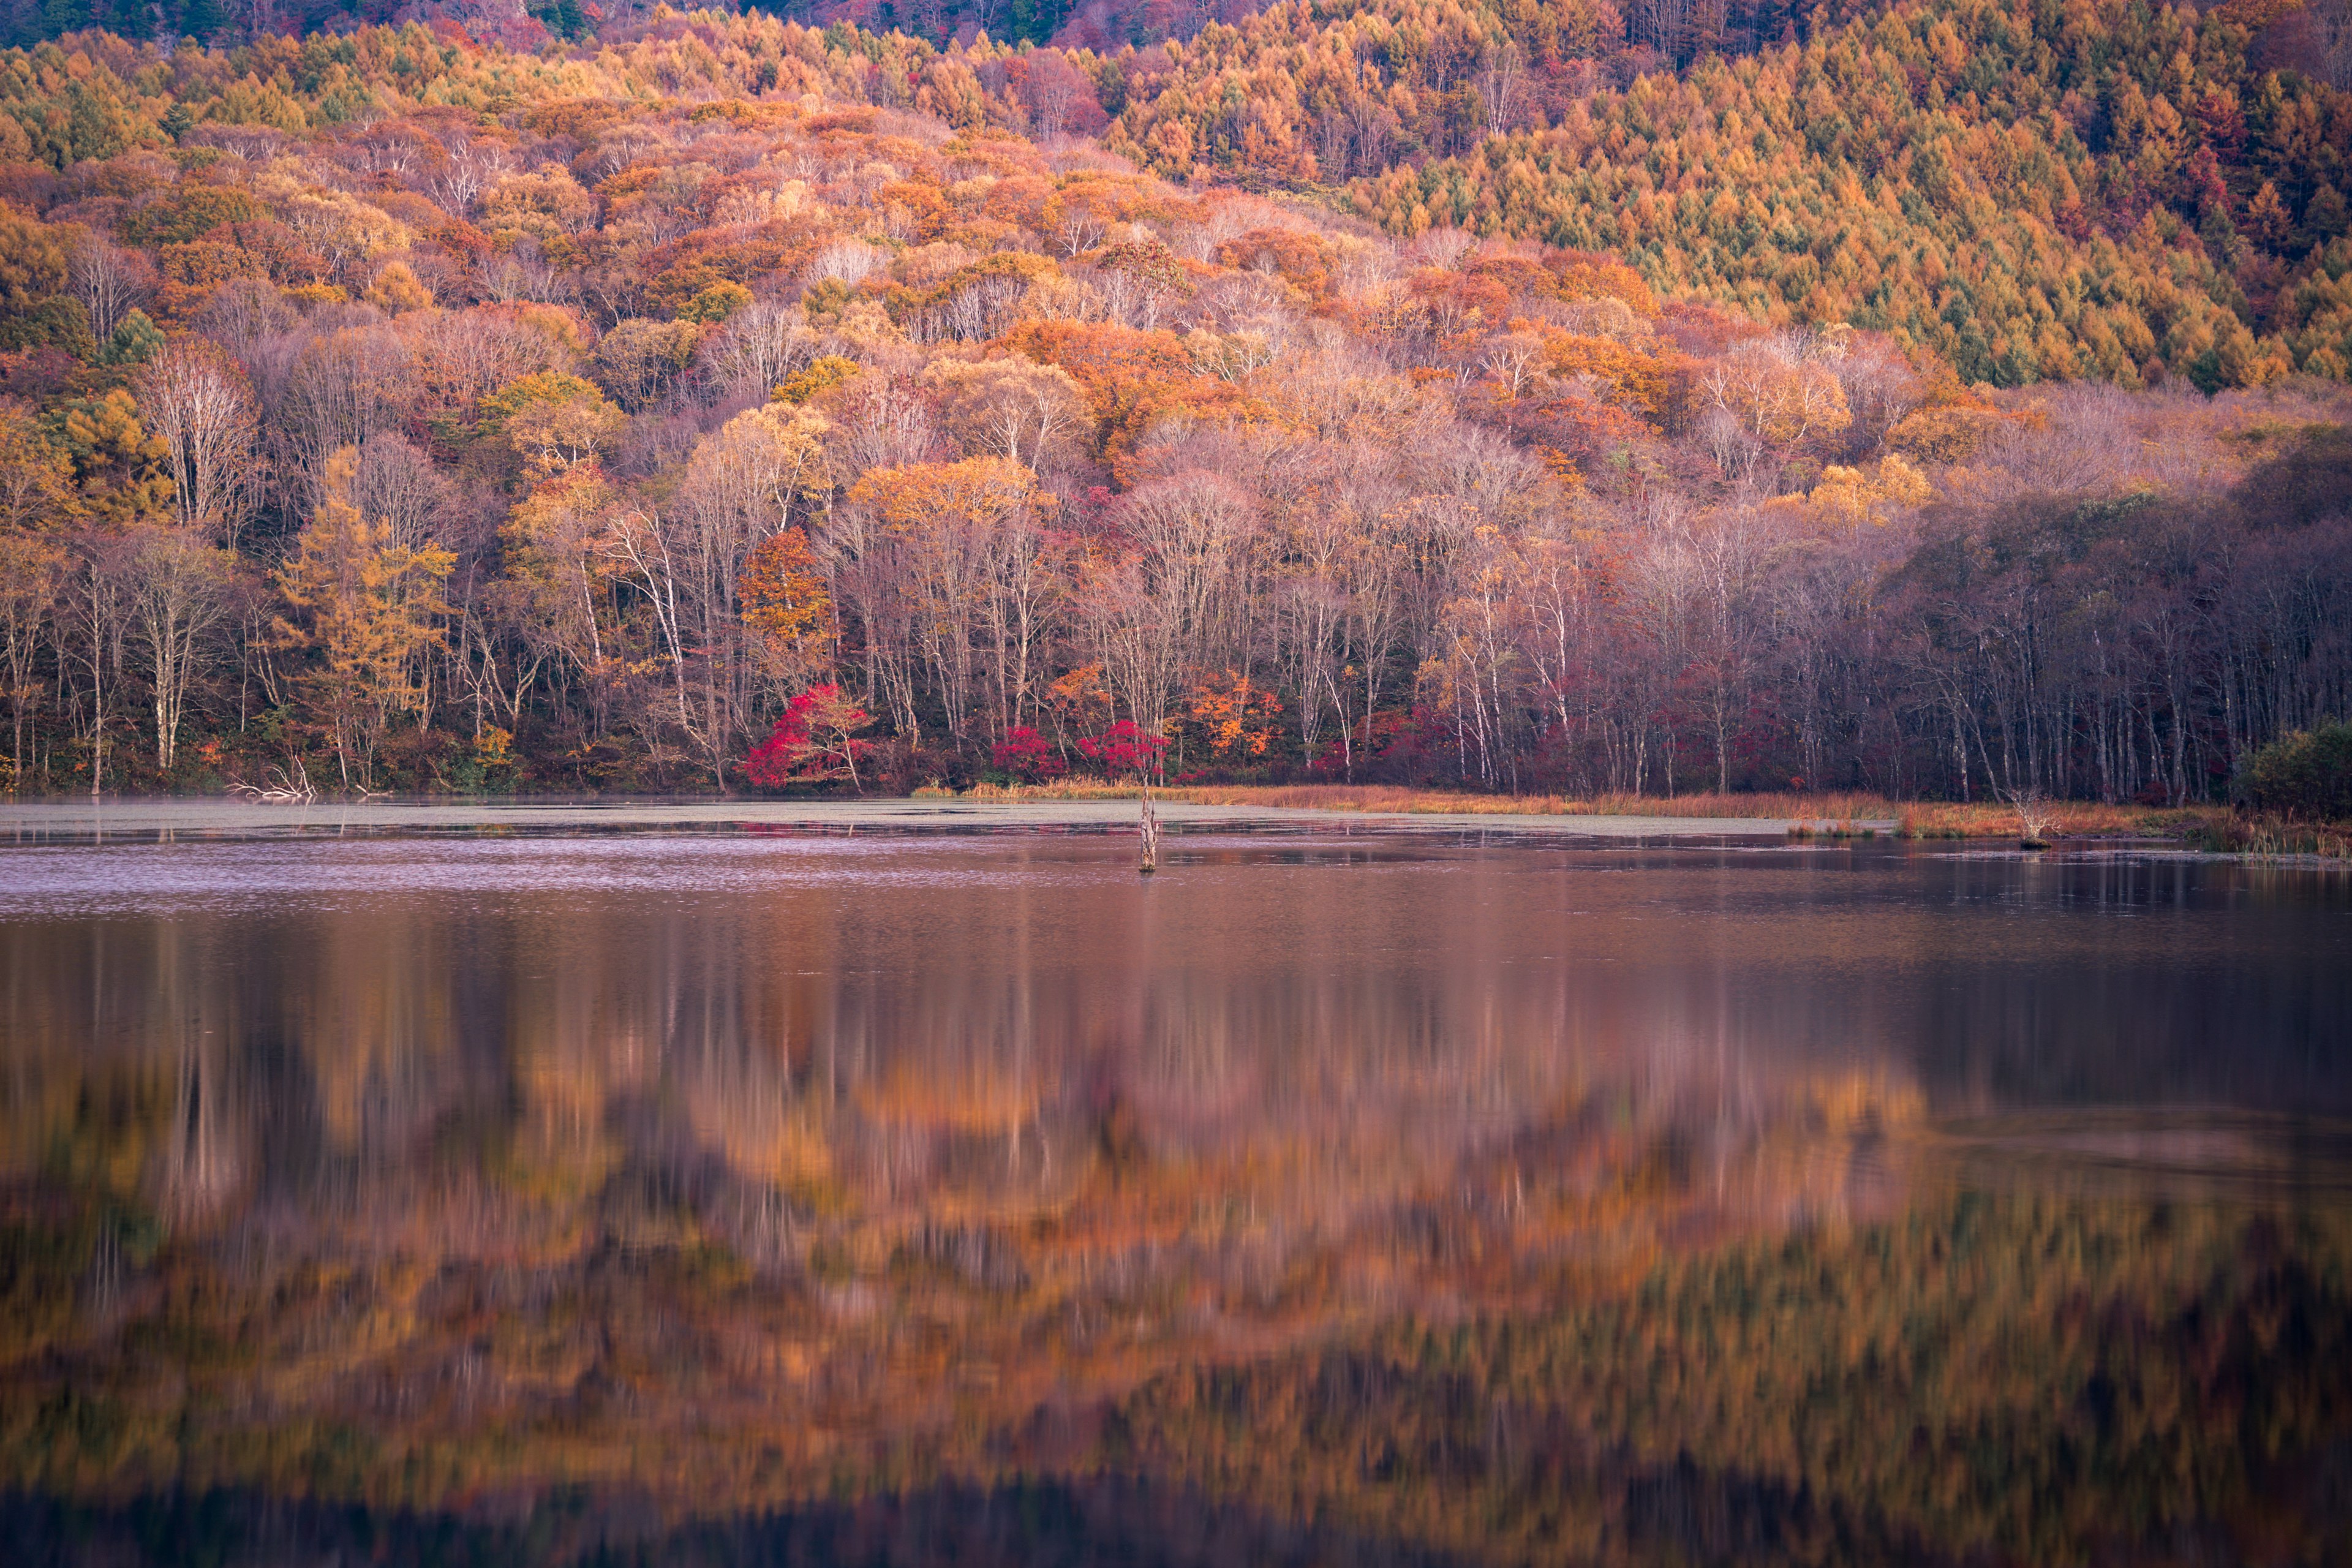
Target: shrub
2305, 774
1027, 756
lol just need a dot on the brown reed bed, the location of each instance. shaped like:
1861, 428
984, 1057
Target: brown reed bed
1818, 814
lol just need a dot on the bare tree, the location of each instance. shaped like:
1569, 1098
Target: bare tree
761, 344
343, 387
1664, 25
197, 399
1051, 90
470, 169
1008, 407
32, 574
179, 588
883, 423
1514, 360
111, 282
1080, 226
243, 314
1880, 389
2330, 22
741, 485
92, 625
397, 486
1503, 88
459, 355
1180, 606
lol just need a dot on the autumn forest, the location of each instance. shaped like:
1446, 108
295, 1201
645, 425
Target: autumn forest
576, 417
1940, 399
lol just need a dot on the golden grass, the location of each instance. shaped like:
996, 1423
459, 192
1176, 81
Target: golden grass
1825, 814
1828, 808
2067, 819
1060, 789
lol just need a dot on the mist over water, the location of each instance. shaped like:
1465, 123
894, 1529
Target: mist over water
678, 1183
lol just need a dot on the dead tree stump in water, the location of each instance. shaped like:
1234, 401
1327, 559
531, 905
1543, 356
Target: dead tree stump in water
1150, 835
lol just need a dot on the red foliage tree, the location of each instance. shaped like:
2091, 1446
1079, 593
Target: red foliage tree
1125, 748
1028, 755
813, 742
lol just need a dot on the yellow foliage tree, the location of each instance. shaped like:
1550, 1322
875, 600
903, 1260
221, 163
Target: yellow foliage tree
784, 598
365, 608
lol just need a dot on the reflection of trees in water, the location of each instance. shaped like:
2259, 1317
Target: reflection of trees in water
1978, 1381
892, 1055
203, 1157
906, 1054
1085, 1522
978, 1038
721, 1191
2146, 994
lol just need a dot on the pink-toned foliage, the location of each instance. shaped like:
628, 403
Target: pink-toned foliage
1028, 756
813, 741
1125, 748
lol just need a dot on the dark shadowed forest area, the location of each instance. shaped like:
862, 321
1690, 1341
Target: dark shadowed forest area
1941, 400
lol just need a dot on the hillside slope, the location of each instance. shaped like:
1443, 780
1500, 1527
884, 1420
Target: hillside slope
2034, 190
732, 402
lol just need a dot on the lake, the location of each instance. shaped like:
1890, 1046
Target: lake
699, 1187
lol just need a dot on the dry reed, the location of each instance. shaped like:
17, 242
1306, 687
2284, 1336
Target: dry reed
1820, 815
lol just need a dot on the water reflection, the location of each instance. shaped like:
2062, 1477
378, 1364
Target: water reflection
734, 1166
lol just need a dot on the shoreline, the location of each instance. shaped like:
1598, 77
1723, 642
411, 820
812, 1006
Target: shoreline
169, 815
1816, 820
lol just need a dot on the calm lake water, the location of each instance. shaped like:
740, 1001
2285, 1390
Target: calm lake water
1332, 1196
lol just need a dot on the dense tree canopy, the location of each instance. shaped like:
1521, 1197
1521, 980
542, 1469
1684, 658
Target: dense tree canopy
398, 409
2101, 190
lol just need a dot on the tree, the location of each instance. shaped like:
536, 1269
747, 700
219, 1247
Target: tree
398, 486
739, 487
1006, 441
1779, 388
758, 348
196, 400
785, 598
814, 741
343, 386
1232, 719
639, 360
552, 593
1124, 749
1009, 408
36, 477
954, 552
555, 421
111, 282
179, 587
1027, 755
32, 576
121, 470
2307, 773
363, 608
1178, 604
36, 267
93, 620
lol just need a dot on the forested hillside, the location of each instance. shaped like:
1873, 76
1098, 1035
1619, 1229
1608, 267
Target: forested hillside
727, 402
2097, 189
